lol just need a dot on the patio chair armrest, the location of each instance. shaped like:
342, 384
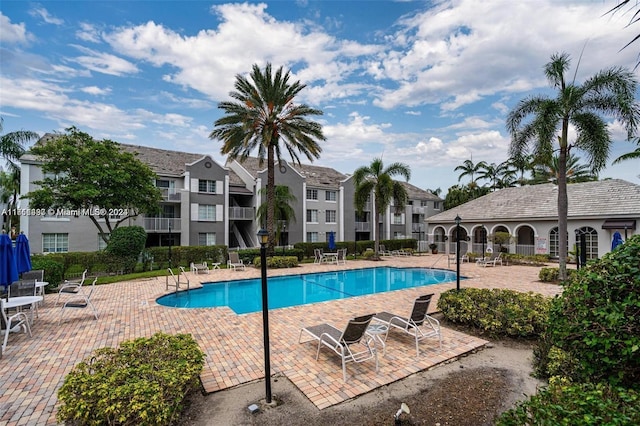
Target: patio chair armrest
334, 341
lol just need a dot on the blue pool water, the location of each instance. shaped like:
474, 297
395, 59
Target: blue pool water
244, 296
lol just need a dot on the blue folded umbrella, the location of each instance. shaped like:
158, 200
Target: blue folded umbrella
8, 267
332, 241
23, 254
617, 240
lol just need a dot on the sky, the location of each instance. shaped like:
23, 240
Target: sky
425, 83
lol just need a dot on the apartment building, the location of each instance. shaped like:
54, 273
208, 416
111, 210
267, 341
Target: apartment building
206, 203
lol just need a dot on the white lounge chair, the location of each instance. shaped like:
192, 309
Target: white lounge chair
492, 261
196, 268
234, 261
81, 300
71, 287
12, 324
418, 324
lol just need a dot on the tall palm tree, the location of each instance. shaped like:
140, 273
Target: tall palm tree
283, 213
576, 172
469, 169
499, 175
609, 92
263, 116
379, 181
522, 164
12, 147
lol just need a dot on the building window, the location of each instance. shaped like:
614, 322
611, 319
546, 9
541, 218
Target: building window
424, 203
312, 237
554, 242
55, 243
208, 186
436, 205
207, 212
312, 194
591, 238
101, 244
398, 219
330, 195
312, 216
207, 239
330, 216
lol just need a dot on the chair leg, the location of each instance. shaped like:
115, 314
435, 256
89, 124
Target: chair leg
344, 368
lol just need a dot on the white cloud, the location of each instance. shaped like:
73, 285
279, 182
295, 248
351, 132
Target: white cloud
104, 62
95, 90
88, 32
12, 33
42, 13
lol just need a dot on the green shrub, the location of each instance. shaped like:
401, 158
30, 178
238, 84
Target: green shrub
275, 262
496, 311
368, 254
53, 271
361, 246
521, 259
596, 320
585, 404
184, 255
143, 382
552, 275
125, 245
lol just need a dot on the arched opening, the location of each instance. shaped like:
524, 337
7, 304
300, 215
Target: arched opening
554, 243
500, 238
525, 241
464, 244
439, 238
480, 239
591, 239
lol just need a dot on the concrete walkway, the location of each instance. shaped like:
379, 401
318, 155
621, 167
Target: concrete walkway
33, 369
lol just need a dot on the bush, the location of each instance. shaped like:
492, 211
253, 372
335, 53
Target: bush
552, 275
521, 259
183, 255
53, 271
596, 319
275, 262
585, 404
125, 245
496, 311
143, 382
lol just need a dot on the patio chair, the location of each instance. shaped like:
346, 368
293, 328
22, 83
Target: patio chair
196, 268
384, 252
234, 261
484, 257
71, 287
23, 288
418, 324
342, 257
38, 276
12, 324
318, 256
492, 261
81, 300
343, 342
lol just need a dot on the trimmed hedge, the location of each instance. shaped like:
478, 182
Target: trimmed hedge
497, 311
53, 271
276, 262
585, 404
361, 246
552, 275
143, 382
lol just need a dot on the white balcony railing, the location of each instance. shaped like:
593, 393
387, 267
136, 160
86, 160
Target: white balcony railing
363, 226
418, 210
245, 213
170, 194
161, 224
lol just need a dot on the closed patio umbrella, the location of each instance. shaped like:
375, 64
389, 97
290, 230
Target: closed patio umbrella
23, 254
617, 240
8, 268
332, 241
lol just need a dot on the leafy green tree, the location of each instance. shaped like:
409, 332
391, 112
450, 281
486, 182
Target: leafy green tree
538, 122
576, 172
284, 213
12, 147
469, 169
457, 195
379, 181
263, 116
82, 173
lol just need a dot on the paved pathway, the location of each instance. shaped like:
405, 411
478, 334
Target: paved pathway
32, 369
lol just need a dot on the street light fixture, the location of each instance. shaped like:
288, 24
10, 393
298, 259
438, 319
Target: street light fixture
284, 229
578, 249
263, 236
458, 220
170, 238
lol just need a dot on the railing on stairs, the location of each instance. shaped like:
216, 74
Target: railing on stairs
175, 281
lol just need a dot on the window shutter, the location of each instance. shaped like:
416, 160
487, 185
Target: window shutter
194, 185
219, 213
219, 187
194, 211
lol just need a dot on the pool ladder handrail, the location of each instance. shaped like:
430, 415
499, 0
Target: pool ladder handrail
176, 280
437, 260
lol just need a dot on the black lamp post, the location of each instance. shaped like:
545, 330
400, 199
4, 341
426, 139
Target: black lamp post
355, 242
458, 220
170, 238
263, 235
483, 235
577, 249
625, 233
284, 229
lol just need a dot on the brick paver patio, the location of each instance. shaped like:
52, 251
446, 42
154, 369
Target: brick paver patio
32, 369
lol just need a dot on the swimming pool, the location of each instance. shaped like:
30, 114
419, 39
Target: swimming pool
244, 296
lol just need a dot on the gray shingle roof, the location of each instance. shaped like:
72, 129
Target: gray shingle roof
416, 193
611, 198
316, 176
162, 161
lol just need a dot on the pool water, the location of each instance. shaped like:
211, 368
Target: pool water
245, 296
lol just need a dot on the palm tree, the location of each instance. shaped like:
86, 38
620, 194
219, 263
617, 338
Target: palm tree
283, 213
633, 155
378, 180
499, 175
469, 169
609, 91
12, 147
263, 116
576, 172
522, 164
